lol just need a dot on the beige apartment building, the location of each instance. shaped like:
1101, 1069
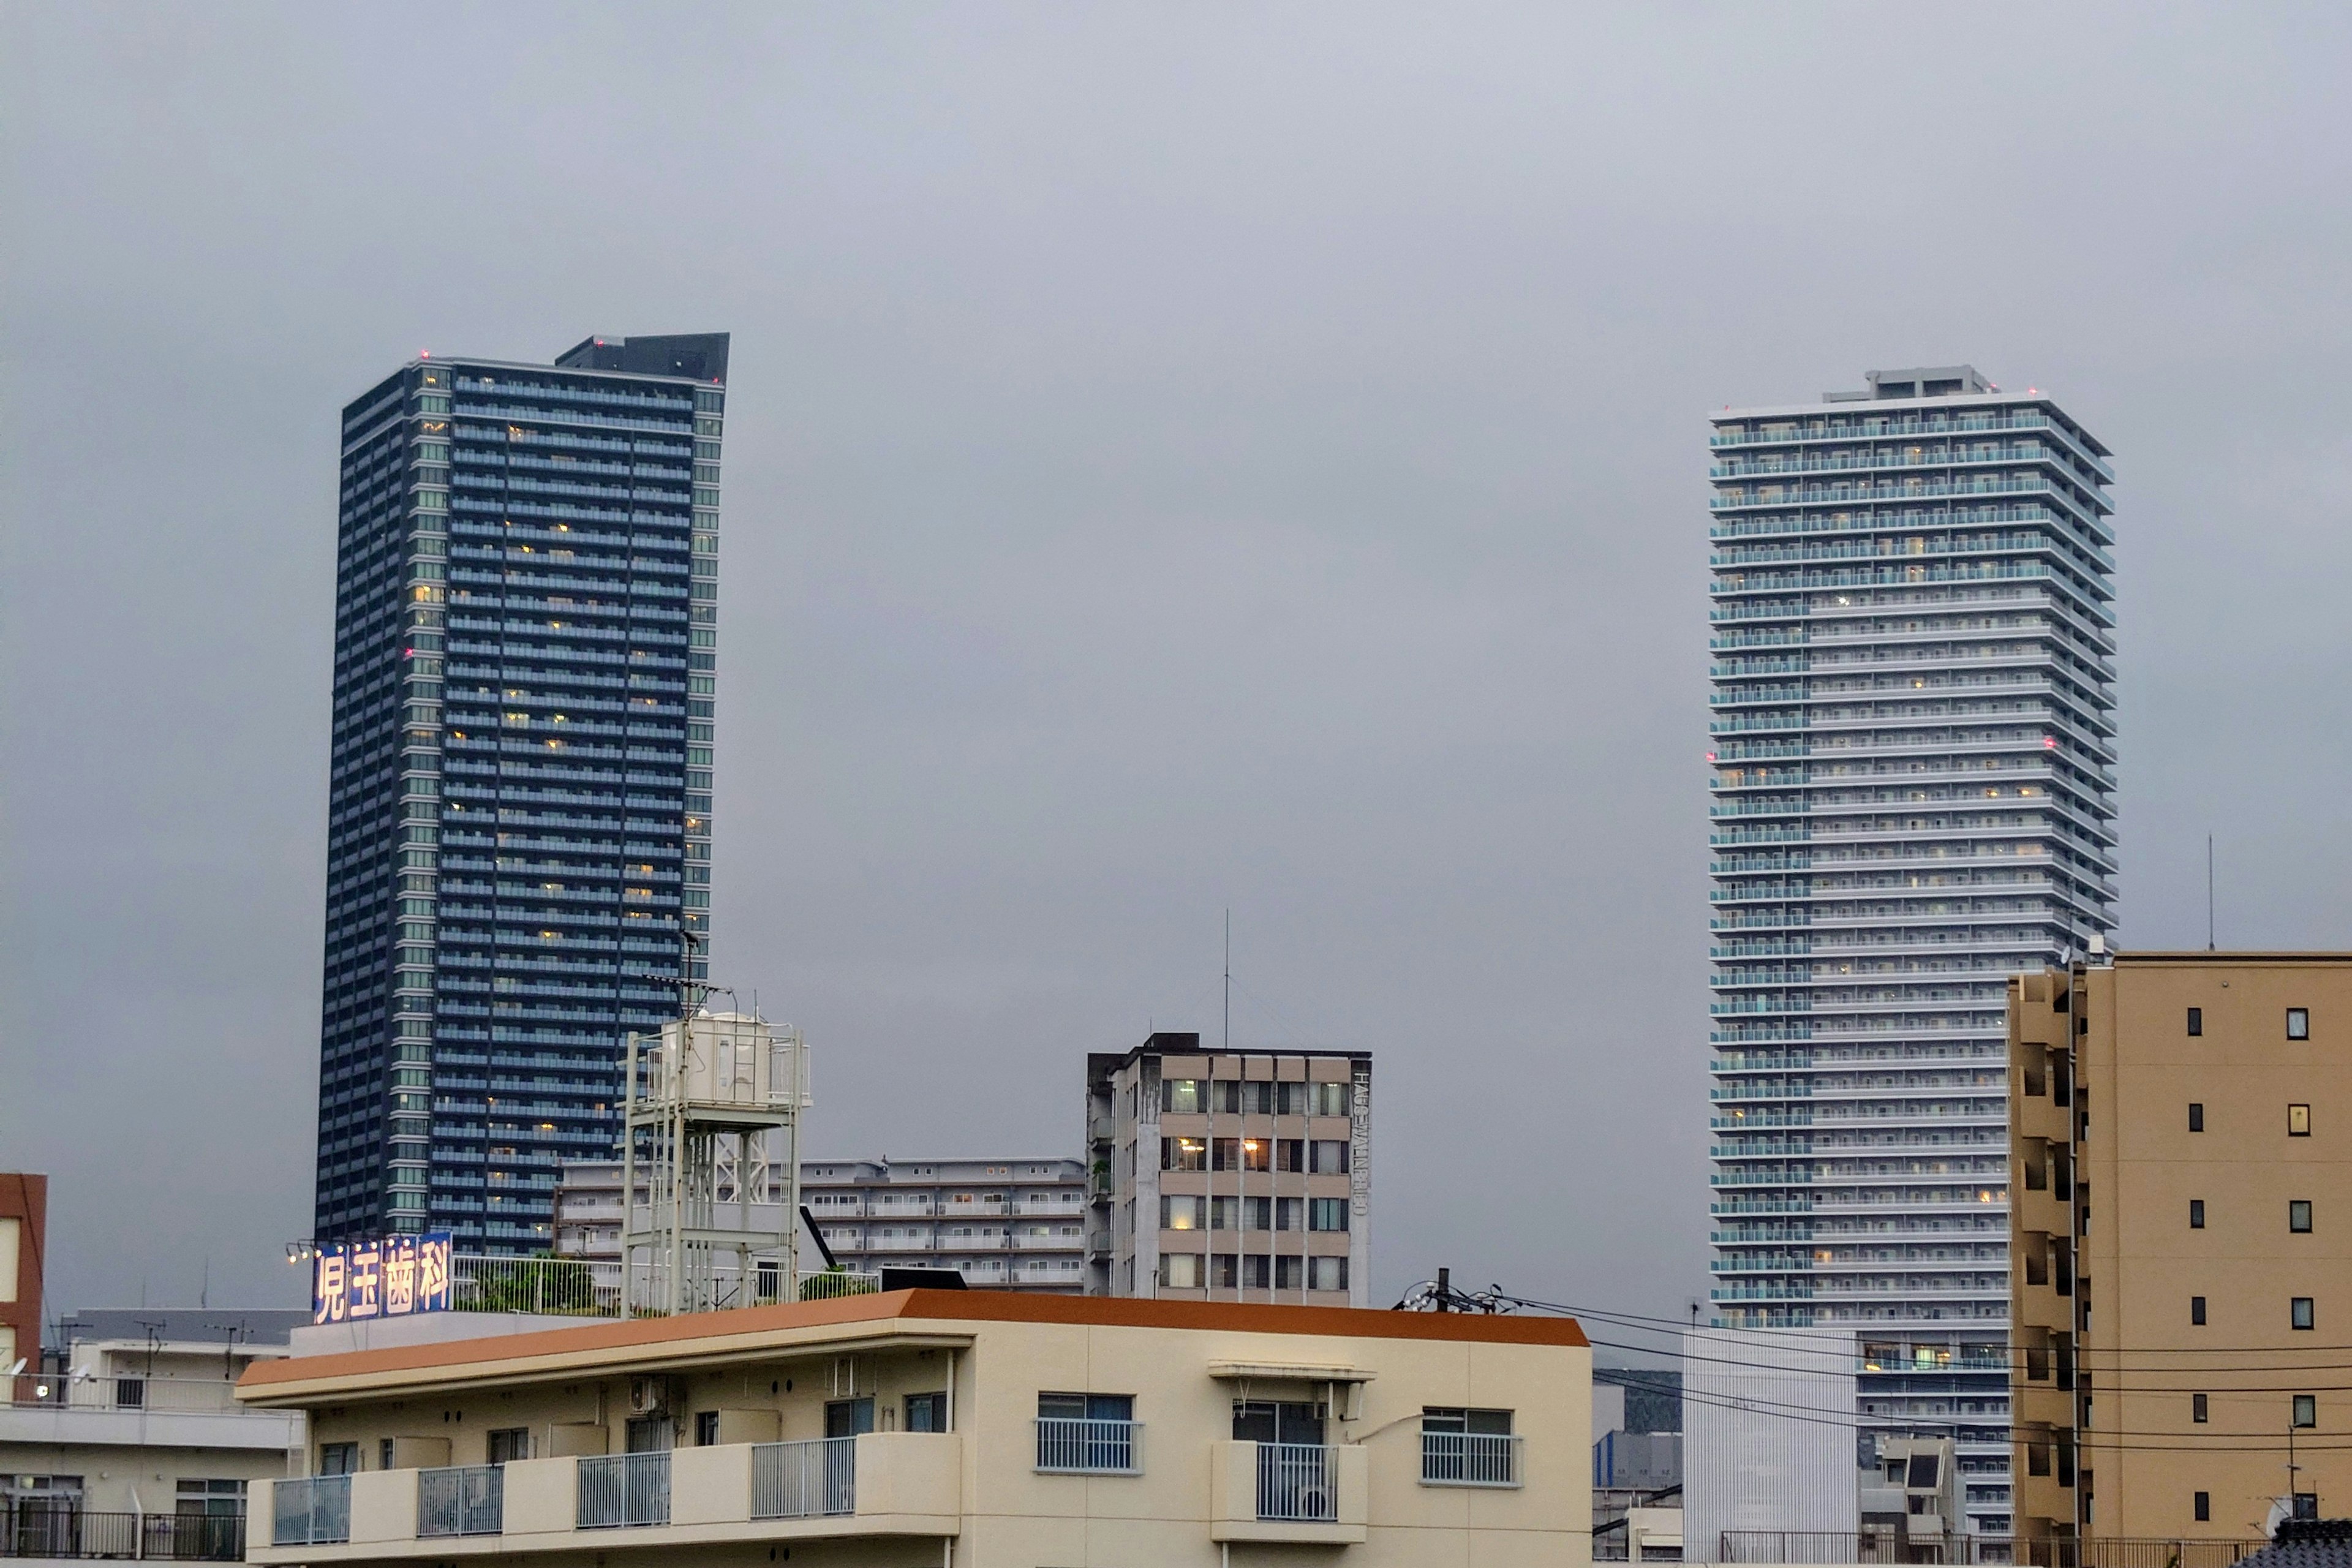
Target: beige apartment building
2180, 1214
1238, 1177
981, 1428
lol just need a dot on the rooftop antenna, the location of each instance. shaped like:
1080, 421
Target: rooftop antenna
1229, 982
2209, 892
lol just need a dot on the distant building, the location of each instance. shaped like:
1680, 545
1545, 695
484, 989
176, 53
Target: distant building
130, 1444
2181, 1150
1769, 1445
1913, 763
1229, 1175
1016, 1224
24, 1223
519, 823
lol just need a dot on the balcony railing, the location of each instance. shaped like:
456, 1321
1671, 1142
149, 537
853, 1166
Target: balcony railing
314, 1512
1295, 1482
1069, 1445
1470, 1459
804, 1481
43, 1528
83, 1391
468, 1499
1890, 1546
618, 1489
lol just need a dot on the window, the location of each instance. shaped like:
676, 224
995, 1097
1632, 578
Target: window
1332, 1098
1084, 1432
2196, 1020
2197, 1214
511, 1443
2197, 1119
2197, 1311
927, 1411
2204, 1501
1290, 1273
2298, 1216
1225, 1271
2197, 1410
2298, 1121
2298, 1022
1467, 1447
1180, 1094
706, 1428
2299, 1312
1329, 1157
1289, 1214
1328, 1273
1178, 1213
1257, 1214
1184, 1154
1326, 1213
383, 1454
2307, 1410
1180, 1270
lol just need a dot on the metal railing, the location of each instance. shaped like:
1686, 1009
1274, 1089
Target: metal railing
590, 1287
314, 1512
461, 1500
1297, 1482
618, 1489
1890, 1546
46, 1527
805, 1479
82, 1390
1470, 1459
1070, 1444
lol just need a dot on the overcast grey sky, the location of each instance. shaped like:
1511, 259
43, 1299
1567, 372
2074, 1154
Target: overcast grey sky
1178, 456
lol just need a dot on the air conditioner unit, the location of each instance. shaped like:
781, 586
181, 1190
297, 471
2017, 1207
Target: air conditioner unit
648, 1395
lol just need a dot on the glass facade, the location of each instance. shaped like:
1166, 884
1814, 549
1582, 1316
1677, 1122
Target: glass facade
1913, 772
519, 834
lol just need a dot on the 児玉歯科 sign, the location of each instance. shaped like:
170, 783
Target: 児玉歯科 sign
393, 1277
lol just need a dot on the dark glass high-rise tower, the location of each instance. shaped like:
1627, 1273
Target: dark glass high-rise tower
518, 820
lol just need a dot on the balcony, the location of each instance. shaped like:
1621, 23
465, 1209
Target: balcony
877, 1484
1295, 1493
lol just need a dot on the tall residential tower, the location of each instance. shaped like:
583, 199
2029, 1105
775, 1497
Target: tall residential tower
518, 819
1914, 799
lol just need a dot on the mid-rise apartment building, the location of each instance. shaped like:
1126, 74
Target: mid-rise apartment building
976, 1428
2180, 1145
1912, 770
519, 820
1013, 1224
1229, 1176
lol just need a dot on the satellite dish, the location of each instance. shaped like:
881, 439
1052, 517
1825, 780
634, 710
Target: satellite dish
18, 1370
2282, 1510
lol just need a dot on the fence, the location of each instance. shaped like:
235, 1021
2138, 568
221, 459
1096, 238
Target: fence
804, 1479
1890, 1546
590, 1287
312, 1513
1293, 1482
1470, 1459
1069, 1443
468, 1499
623, 1488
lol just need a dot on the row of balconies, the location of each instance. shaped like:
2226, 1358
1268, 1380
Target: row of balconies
871, 1485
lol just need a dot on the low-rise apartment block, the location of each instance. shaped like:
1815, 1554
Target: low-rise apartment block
128, 1441
975, 1429
2181, 1211
1011, 1224
1229, 1175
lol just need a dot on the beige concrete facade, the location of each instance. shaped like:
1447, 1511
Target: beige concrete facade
747, 1397
2170, 1206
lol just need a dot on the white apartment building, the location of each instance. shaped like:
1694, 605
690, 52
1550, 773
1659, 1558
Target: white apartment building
1913, 764
1014, 1224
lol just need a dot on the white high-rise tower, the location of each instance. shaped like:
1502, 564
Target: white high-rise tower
1914, 798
